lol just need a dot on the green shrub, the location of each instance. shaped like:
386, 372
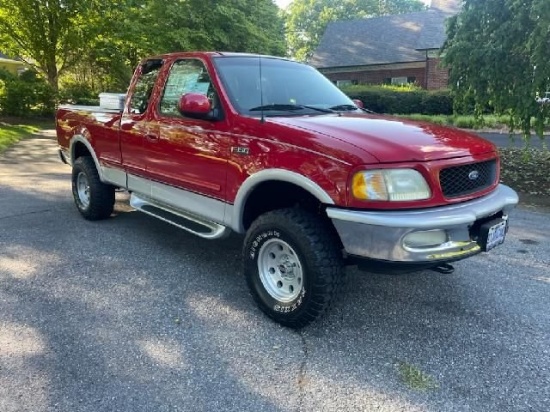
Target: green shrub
441, 120
401, 100
465, 122
78, 93
437, 102
26, 95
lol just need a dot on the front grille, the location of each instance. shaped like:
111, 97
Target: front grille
467, 179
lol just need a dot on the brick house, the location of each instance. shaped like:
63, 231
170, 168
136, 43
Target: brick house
395, 49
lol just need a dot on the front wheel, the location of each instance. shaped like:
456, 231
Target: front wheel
94, 199
293, 266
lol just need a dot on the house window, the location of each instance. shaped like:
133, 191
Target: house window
341, 83
399, 81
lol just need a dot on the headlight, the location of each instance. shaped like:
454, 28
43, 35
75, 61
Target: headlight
390, 184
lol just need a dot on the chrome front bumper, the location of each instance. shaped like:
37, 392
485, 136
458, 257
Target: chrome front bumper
380, 235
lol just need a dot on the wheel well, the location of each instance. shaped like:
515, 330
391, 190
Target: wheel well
274, 195
79, 150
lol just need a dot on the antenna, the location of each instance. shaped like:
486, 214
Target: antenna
262, 117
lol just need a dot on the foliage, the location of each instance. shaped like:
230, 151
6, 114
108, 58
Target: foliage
526, 170
25, 95
415, 378
306, 20
491, 121
78, 93
127, 32
49, 35
98, 44
437, 102
231, 25
435, 119
498, 51
408, 87
404, 100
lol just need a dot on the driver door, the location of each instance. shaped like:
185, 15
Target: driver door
188, 154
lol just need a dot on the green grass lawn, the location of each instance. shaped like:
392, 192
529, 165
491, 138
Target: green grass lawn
464, 122
11, 131
468, 121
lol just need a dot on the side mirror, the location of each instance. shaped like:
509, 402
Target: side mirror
359, 103
194, 105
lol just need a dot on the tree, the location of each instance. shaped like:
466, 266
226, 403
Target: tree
229, 25
99, 43
49, 35
306, 20
147, 27
498, 52
125, 34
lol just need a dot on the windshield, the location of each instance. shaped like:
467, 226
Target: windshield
287, 88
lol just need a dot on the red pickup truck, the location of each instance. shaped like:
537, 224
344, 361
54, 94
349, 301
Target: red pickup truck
264, 146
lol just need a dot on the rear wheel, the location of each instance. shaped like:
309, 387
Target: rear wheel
293, 266
94, 199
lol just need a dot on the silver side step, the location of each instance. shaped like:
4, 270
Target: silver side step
186, 221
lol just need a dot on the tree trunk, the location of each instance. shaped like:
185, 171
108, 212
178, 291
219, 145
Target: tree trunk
52, 76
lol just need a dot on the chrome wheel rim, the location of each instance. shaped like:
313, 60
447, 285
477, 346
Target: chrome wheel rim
280, 270
83, 189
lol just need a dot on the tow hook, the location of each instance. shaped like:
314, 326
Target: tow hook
444, 268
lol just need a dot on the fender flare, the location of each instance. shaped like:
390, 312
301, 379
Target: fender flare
270, 175
78, 138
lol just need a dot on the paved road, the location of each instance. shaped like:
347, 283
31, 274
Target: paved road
131, 314
516, 140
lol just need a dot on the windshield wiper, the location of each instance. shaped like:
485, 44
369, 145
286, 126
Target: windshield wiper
284, 107
344, 108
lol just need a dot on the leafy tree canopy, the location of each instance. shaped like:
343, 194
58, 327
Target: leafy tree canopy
306, 20
49, 34
229, 25
94, 39
498, 52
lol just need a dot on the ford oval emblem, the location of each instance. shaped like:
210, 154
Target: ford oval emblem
473, 175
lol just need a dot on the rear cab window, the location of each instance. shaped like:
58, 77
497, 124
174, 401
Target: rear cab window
144, 85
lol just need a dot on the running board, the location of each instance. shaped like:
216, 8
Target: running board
186, 221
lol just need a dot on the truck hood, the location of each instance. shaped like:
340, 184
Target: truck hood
391, 140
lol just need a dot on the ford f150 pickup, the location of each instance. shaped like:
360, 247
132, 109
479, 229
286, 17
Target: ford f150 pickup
218, 142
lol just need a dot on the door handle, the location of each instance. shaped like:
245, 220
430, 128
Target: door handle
151, 137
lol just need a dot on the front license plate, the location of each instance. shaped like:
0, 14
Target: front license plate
493, 234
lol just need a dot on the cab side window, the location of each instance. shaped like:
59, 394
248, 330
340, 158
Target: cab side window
186, 76
144, 86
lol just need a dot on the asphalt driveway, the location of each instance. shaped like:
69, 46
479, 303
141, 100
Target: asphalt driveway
515, 140
132, 314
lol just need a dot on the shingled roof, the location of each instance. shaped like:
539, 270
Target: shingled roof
397, 38
5, 57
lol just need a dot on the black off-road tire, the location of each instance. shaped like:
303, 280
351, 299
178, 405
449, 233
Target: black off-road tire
293, 266
94, 200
